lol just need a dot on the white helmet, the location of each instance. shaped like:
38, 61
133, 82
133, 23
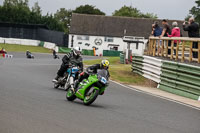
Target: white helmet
77, 51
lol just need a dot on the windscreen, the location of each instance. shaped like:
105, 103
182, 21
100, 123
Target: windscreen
102, 73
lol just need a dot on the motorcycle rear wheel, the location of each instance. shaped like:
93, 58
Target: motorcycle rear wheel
90, 97
56, 85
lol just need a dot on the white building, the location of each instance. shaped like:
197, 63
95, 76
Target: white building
100, 43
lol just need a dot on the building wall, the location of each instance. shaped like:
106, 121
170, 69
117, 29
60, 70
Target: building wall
101, 43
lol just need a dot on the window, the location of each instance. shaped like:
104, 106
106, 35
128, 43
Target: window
136, 45
108, 39
82, 37
114, 48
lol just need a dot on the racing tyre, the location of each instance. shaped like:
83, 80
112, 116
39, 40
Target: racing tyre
90, 96
56, 85
70, 96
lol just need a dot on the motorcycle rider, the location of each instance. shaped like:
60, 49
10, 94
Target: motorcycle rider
55, 56
72, 57
92, 69
29, 54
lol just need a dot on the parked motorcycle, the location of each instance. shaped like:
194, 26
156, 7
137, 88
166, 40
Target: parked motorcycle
90, 88
68, 78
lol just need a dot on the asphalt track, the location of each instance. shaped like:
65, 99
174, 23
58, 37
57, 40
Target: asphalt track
30, 104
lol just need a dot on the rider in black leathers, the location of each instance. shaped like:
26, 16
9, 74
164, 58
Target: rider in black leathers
29, 54
73, 57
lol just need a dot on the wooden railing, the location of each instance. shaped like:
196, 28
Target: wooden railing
183, 50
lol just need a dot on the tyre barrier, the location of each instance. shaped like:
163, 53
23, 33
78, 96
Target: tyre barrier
122, 58
173, 77
29, 42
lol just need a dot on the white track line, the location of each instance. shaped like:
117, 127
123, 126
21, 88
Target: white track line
156, 95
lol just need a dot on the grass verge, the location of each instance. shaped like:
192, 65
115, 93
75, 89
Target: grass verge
122, 73
23, 48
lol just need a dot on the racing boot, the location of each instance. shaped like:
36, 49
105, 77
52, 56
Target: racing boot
56, 79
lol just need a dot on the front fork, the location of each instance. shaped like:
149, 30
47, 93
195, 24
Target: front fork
71, 81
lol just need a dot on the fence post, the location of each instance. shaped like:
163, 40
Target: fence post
177, 48
172, 50
183, 49
150, 43
158, 49
162, 50
198, 52
154, 47
166, 48
190, 56
150, 49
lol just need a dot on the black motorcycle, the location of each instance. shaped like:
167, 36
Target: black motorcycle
29, 56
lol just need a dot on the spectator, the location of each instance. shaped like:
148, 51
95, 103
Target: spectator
175, 33
55, 56
156, 29
193, 31
3, 51
166, 29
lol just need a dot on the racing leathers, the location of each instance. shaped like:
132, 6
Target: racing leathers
91, 69
67, 60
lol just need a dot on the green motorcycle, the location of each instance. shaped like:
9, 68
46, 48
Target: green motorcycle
90, 88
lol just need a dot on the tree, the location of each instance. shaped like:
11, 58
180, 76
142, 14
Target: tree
130, 11
36, 9
195, 11
64, 17
18, 11
15, 11
88, 9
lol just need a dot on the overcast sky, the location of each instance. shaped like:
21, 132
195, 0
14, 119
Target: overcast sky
168, 9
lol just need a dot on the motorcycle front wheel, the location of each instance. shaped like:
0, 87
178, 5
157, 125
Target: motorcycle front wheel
70, 96
90, 96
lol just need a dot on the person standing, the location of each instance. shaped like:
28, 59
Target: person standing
166, 30
193, 31
55, 56
176, 32
156, 29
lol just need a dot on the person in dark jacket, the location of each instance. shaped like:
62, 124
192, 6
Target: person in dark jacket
55, 56
29, 55
193, 31
166, 30
73, 57
156, 29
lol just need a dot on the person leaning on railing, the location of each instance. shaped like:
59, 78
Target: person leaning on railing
156, 31
193, 31
176, 32
166, 30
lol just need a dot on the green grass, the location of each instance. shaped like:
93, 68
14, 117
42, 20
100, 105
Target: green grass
122, 72
112, 60
23, 48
